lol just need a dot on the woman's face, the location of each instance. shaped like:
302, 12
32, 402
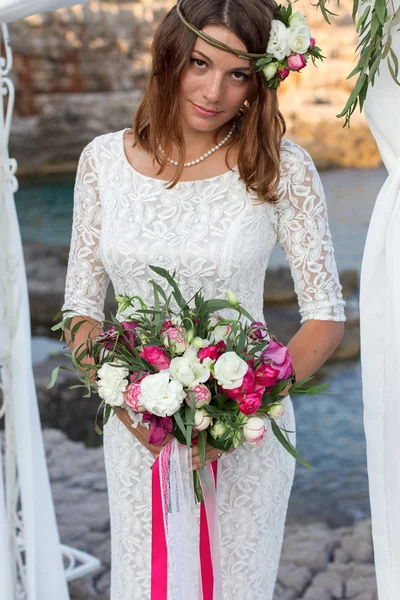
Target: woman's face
215, 83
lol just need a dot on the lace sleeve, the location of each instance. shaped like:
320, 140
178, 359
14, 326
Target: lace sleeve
303, 232
87, 279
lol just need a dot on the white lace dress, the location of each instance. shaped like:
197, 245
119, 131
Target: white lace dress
216, 237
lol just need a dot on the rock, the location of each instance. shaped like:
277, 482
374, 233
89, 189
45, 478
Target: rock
316, 593
330, 582
283, 593
294, 577
359, 545
340, 556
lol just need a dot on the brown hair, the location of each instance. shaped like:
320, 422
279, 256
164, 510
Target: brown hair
259, 129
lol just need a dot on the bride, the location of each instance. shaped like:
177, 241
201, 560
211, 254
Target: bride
204, 184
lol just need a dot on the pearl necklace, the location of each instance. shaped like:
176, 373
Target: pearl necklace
191, 163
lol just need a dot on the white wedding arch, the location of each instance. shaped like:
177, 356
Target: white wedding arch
33, 563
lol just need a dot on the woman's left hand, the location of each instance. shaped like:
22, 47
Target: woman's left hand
211, 455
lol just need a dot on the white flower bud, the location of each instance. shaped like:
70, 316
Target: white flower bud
232, 298
202, 420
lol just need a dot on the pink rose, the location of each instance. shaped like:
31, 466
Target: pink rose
250, 403
282, 74
133, 378
278, 356
213, 352
312, 42
159, 428
132, 397
155, 356
296, 62
247, 386
266, 375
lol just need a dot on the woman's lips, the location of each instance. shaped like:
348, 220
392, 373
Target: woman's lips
204, 112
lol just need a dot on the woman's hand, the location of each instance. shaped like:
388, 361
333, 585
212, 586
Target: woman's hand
141, 433
211, 455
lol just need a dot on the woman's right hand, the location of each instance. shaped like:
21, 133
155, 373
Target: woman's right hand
141, 433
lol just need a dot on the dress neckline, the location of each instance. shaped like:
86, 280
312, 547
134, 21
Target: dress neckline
125, 158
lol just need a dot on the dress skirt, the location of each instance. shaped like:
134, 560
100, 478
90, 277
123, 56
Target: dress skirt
253, 489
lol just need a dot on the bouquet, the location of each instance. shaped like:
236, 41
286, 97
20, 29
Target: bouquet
188, 370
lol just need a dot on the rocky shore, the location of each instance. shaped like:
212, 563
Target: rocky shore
318, 563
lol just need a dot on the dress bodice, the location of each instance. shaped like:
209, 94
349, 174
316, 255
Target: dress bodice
213, 233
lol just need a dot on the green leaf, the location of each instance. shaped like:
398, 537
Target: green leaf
288, 446
317, 389
395, 61
202, 445
392, 71
179, 421
375, 25
53, 379
396, 19
381, 11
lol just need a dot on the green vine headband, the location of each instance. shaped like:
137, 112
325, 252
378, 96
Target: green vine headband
289, 48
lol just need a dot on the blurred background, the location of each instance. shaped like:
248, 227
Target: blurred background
79, 73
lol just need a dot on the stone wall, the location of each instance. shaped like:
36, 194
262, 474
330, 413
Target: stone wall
80, 72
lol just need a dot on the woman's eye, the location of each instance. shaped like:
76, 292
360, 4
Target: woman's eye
242, 76
196, 61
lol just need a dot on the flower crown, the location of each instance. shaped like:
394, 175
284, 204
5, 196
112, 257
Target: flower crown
289, 48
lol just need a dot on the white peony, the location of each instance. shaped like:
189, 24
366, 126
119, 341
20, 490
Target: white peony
202, 420
160, 395
297, 19
189, 370
299, 38
113, 382
254, 431
278, 44
229, 370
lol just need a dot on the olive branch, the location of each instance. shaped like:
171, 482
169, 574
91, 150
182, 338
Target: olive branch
374, 28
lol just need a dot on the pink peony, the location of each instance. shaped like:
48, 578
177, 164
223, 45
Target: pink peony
132, 397
166, 325
175, 335
282, 74
156, 356
296, 62
213, 352
160, 427
278, 356
312, 42
250, 403
202, 395
266, 375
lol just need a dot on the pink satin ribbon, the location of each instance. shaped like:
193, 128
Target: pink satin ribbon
159, 555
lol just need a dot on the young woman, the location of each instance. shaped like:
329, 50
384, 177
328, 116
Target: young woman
205, 185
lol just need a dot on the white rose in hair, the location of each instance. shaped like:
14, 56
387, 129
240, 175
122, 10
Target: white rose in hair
278, 44
161, 396
299, 39
112, 382
297, 19
229, 370
189, 370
